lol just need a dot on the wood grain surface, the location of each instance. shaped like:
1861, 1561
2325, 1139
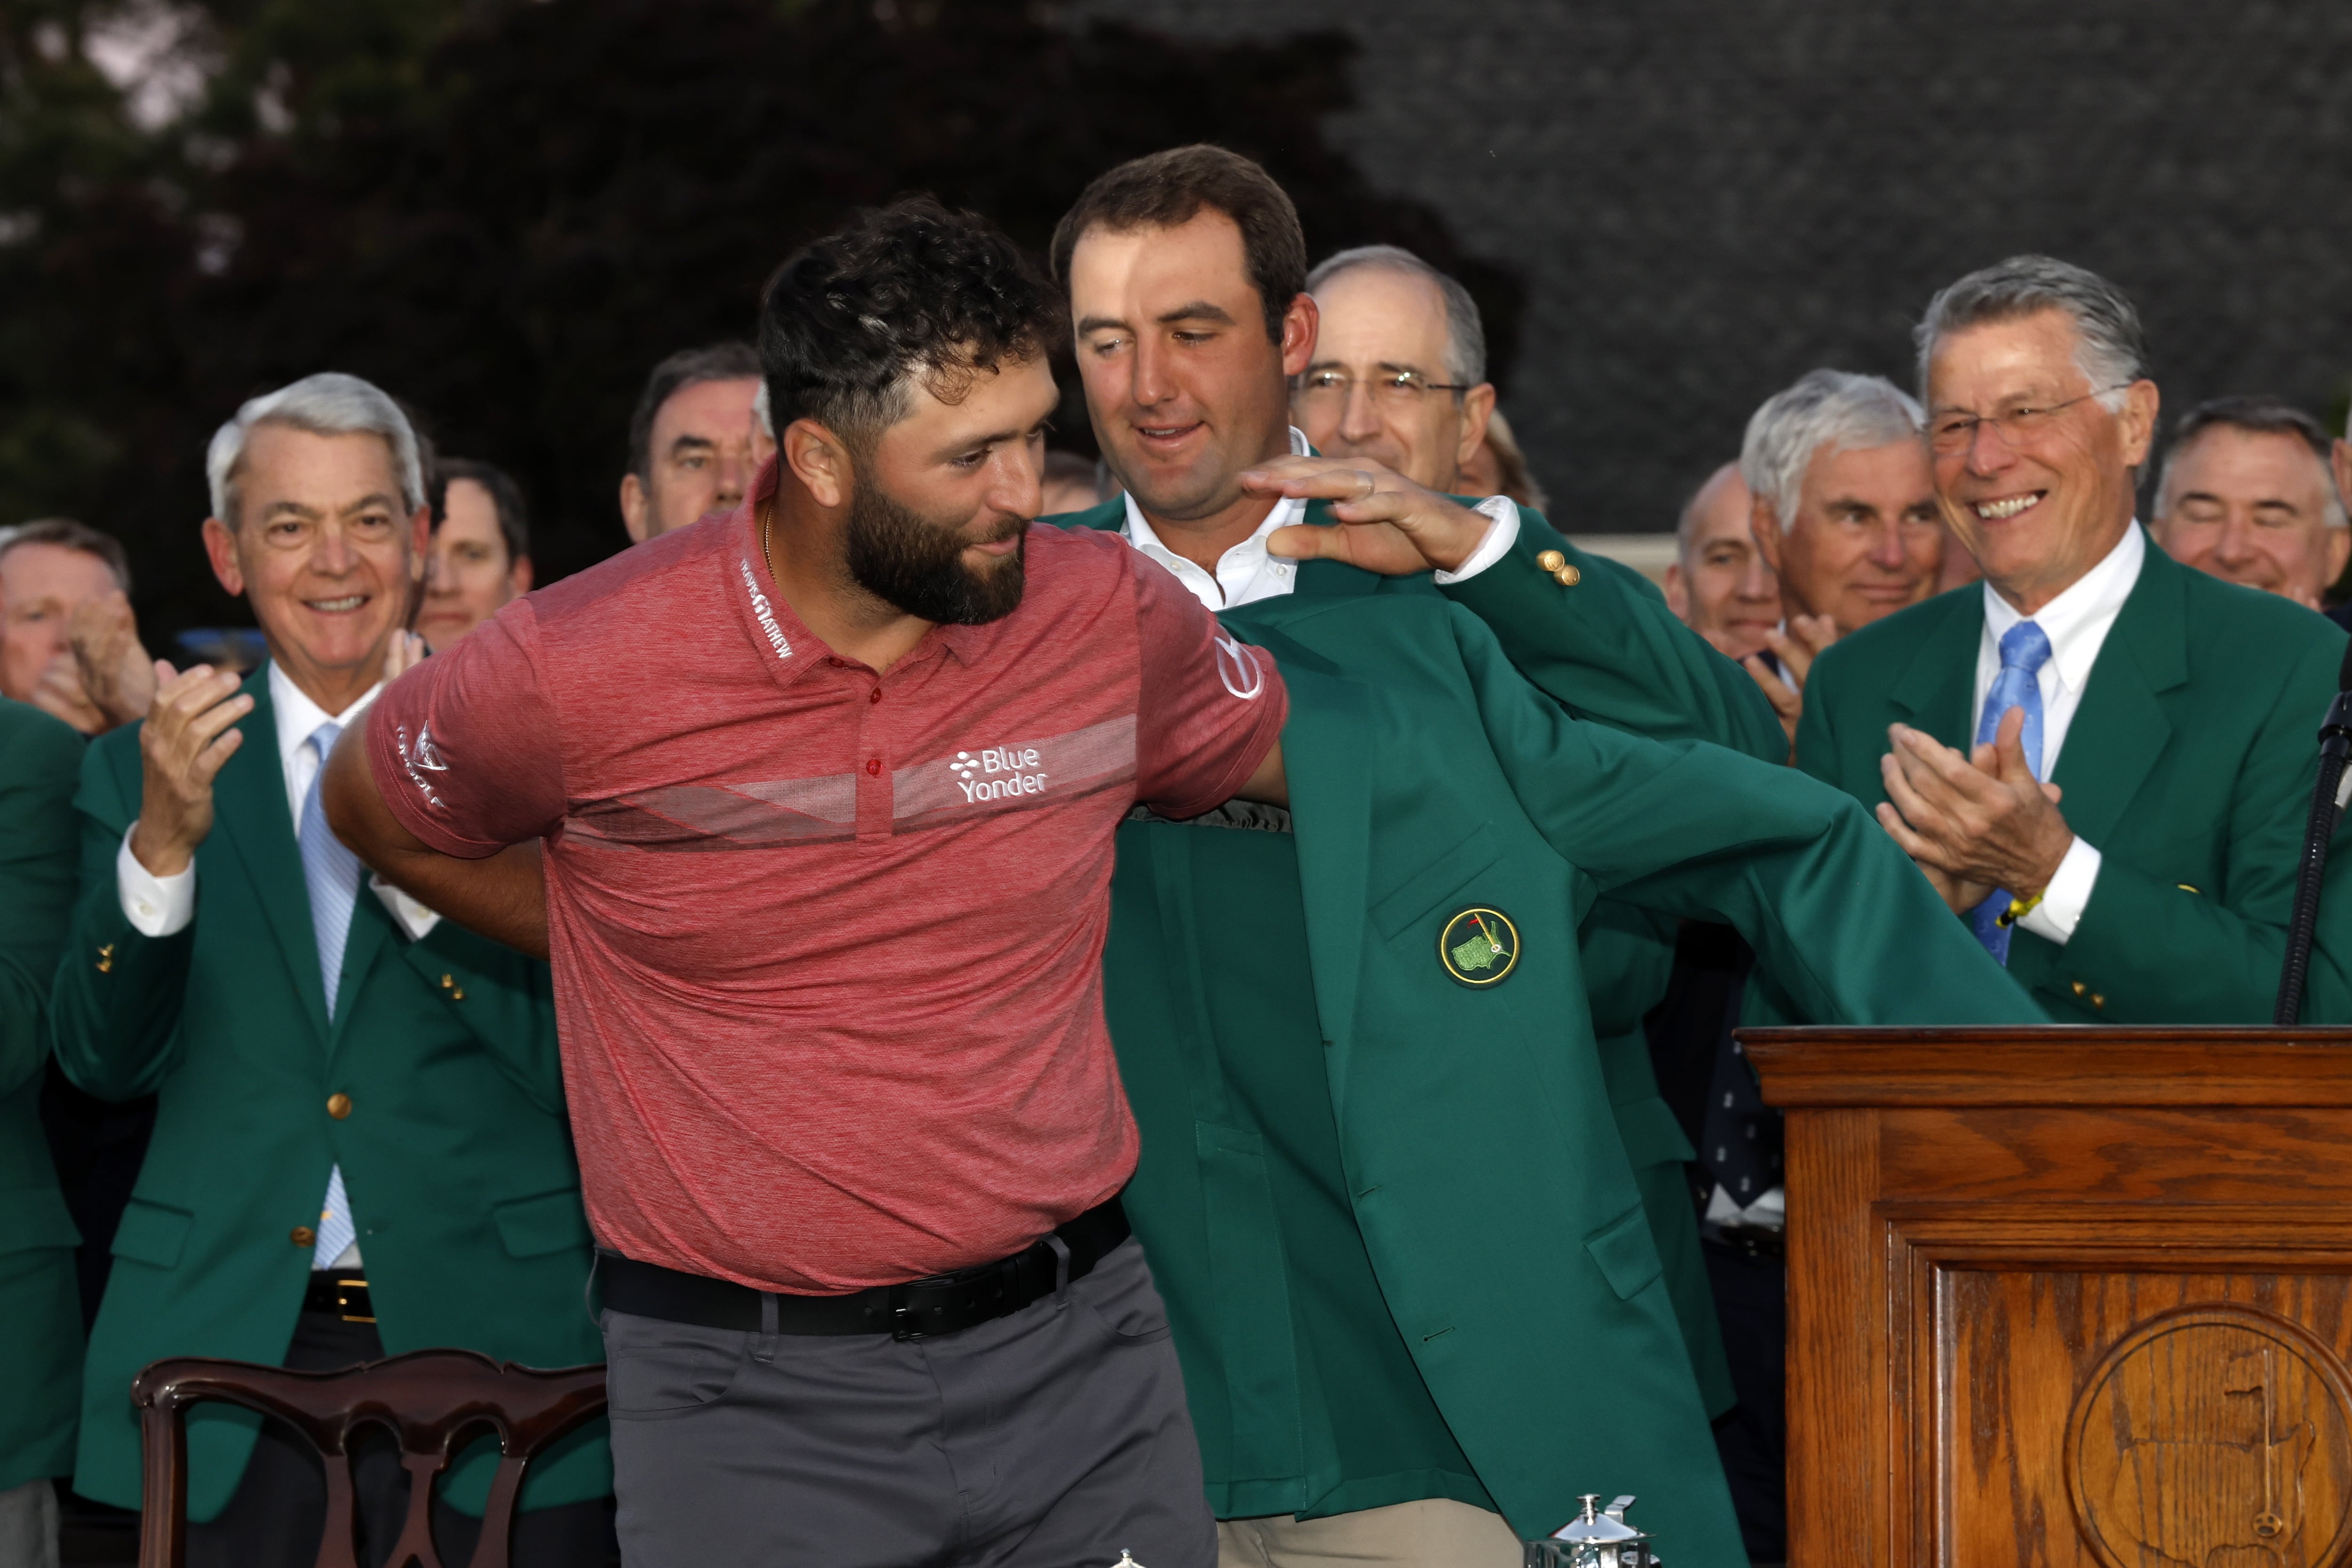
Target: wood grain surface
2109, 1331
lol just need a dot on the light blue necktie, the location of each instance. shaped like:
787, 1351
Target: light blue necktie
2024, 649
332, 875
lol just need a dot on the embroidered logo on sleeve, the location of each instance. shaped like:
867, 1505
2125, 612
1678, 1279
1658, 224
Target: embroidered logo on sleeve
1237, 667
417, 753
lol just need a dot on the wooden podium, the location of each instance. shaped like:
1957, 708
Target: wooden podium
2067, 1296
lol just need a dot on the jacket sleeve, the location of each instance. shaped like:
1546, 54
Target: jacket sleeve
115, 1007
37, 879
1612, 652
2130, 946
505, 999
1843, 921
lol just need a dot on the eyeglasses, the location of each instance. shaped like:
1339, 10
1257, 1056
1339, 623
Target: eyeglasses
1957, 432
1397, 388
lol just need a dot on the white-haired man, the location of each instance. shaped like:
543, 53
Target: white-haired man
2175, 711
1400, 368
360, 1145
2245, 495
1845, 511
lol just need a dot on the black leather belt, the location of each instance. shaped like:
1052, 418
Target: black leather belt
920, 1308
343, 1294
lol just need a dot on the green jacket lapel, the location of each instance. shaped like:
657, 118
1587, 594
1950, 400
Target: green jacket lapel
1938, 689
249, 812
1330, 798
2121, 729
371, 931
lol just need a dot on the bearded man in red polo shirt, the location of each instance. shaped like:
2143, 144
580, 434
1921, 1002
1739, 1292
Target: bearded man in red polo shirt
812, 806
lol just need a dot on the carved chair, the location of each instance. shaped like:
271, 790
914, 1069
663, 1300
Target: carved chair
428, 1398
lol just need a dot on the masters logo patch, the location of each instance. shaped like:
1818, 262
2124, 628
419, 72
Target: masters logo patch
1480, 947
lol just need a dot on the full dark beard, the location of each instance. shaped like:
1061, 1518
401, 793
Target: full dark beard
906, 558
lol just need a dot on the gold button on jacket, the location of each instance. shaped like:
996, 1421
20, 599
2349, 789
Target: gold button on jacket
339, 1106
303, 1235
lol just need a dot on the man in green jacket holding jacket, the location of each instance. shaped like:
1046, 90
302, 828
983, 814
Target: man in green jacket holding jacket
361, 1145
40, 1365
1411, 1280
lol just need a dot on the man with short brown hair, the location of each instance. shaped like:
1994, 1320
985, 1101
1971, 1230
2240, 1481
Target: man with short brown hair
694, 441
2245, 495
1719, 585
49, 570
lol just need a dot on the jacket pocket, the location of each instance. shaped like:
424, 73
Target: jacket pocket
544, 1222
1627, 1253
1422, 892
153, 1234
34, 1217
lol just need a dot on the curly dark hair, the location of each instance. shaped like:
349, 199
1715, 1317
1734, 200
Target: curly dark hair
908, 289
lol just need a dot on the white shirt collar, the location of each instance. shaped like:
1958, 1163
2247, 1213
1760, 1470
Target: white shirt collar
299, 718
2076, 621
1244, 571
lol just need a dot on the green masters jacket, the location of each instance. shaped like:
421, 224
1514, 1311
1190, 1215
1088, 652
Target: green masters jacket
40, 1312
2188, 766
1484, 1173
1609, 651
454, 1147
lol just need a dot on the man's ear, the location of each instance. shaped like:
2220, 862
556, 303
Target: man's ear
2344, 471
2141, 405
519, 576
1300, 323
1478, 410
1764, 522
816, 456
420, 544
1678, 593
2339, 551
220, 548
636, 507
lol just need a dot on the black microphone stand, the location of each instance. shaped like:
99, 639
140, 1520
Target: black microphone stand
2326, 804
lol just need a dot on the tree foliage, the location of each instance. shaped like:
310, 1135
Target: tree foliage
504, 211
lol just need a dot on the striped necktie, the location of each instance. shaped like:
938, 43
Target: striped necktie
2024, 649
332, 875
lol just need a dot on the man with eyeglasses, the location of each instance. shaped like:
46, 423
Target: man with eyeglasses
2102, 757
1400, 368
1395, 1181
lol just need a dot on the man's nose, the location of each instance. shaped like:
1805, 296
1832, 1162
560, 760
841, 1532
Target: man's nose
2233, 544
1360, 417
734, 478
332, 554
1886, 547
1154, 382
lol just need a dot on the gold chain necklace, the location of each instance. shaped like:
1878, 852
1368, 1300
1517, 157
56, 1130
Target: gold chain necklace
765, 559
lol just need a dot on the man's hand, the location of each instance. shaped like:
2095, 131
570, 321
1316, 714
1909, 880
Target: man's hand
1814, 635
1983, 820
58, 691
188, 736
116, 669
502, 896
1269, 783
1393, 526
407, 652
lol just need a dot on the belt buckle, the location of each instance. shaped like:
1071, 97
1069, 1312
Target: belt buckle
343, 1300
902, 1314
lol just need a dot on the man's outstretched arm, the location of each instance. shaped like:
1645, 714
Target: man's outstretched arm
503, 896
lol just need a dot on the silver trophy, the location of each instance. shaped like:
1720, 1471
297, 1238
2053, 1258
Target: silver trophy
1597, 1538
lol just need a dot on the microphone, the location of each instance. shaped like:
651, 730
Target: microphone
2327, 801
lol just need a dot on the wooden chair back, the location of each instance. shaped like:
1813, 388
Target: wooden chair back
428, 1398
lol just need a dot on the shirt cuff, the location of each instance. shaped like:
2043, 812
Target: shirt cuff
406, 913
2067, 896
1502, 532
155, 906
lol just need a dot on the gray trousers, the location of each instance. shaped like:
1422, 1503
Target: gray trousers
1055, 1437
28, 1525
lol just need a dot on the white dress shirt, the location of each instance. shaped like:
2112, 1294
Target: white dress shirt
1246, 573
2077, 623
163, 906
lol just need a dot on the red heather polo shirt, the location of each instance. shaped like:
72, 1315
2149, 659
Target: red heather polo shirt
827, 945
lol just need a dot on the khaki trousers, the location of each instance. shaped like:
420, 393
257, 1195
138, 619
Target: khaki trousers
1434, 1532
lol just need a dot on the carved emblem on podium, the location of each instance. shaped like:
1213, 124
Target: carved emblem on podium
2214, 1437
